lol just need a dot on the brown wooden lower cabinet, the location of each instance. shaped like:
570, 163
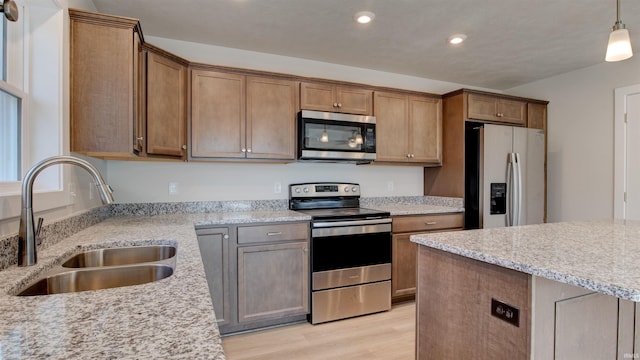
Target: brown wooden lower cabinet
258, 274
404, 252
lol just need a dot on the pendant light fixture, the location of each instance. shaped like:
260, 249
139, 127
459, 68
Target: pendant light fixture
619, 47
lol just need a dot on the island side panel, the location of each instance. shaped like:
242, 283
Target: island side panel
454, 318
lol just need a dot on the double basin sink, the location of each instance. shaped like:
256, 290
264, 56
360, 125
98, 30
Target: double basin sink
106, 268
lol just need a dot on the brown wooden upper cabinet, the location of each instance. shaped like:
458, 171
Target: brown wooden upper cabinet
492, 108
105, 86
409, 128
166, 105
334, 98
235, 116
537, 116
128, 99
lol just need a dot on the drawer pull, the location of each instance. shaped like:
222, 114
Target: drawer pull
274, 233
431, 222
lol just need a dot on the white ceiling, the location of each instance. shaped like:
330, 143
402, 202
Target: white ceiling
509, 42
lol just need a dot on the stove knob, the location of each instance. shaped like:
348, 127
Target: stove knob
297, 190
306, 190
354, 189
346, 189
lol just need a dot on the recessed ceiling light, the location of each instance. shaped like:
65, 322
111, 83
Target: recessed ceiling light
364, 17
457, 39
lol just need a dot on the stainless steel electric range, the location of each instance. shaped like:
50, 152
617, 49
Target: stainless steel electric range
350, 251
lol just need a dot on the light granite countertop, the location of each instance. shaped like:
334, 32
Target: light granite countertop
171, 318
602, 256
416, 209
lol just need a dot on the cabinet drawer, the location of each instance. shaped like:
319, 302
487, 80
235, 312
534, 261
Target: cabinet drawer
427, 222
269, 233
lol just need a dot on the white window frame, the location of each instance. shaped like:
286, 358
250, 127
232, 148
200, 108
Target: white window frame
42, 22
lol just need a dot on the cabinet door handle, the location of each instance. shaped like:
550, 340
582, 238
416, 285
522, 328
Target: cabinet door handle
226, 237
248, 150
244, 150
431, 222
184, 147
305, 249
335, 104
408, 156
140, 138
339, 105
412, 156
274, 233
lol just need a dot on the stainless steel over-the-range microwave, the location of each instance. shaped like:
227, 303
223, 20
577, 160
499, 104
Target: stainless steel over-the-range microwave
336, 137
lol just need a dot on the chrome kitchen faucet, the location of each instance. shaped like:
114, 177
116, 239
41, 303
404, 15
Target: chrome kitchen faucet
28, 234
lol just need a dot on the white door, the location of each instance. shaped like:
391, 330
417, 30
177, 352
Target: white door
627, 153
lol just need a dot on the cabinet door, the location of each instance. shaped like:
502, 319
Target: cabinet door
271, 118
166, 106
482, 107
217, 115
392, 126
537, 116
103, 86
273, 281
512, 111
404, 265
354, 101
425, 131
214, 247
319, 97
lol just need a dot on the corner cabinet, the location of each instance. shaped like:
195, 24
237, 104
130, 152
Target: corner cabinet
166, 105
404, 252
409, 128
106, 70
128, 99
214, 250
234, 116
335, 98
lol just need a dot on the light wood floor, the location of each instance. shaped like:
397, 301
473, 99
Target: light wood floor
389, 335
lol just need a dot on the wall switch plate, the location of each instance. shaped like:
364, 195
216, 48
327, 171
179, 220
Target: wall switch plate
505, 312
277, 188
390, 186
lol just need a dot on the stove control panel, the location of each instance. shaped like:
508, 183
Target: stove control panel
323, 190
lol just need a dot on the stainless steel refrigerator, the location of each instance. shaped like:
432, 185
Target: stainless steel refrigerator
504, 176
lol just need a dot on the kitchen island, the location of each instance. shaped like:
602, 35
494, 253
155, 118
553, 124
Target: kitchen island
549, 291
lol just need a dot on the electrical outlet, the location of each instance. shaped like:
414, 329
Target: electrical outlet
72, 189
173, 188
277, 187
390, 186
505, 312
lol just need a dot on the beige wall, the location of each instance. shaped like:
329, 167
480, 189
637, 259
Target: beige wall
581, 140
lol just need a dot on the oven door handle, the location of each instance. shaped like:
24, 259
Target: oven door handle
350, 230
351, 223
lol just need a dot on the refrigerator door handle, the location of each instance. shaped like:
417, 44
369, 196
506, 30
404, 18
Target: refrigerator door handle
519, 190
510, 189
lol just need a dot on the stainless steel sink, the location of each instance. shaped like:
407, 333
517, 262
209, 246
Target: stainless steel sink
96, 279
120, 256
105, 269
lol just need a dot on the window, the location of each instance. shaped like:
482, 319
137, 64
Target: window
31, 98
11, 103
10, 109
